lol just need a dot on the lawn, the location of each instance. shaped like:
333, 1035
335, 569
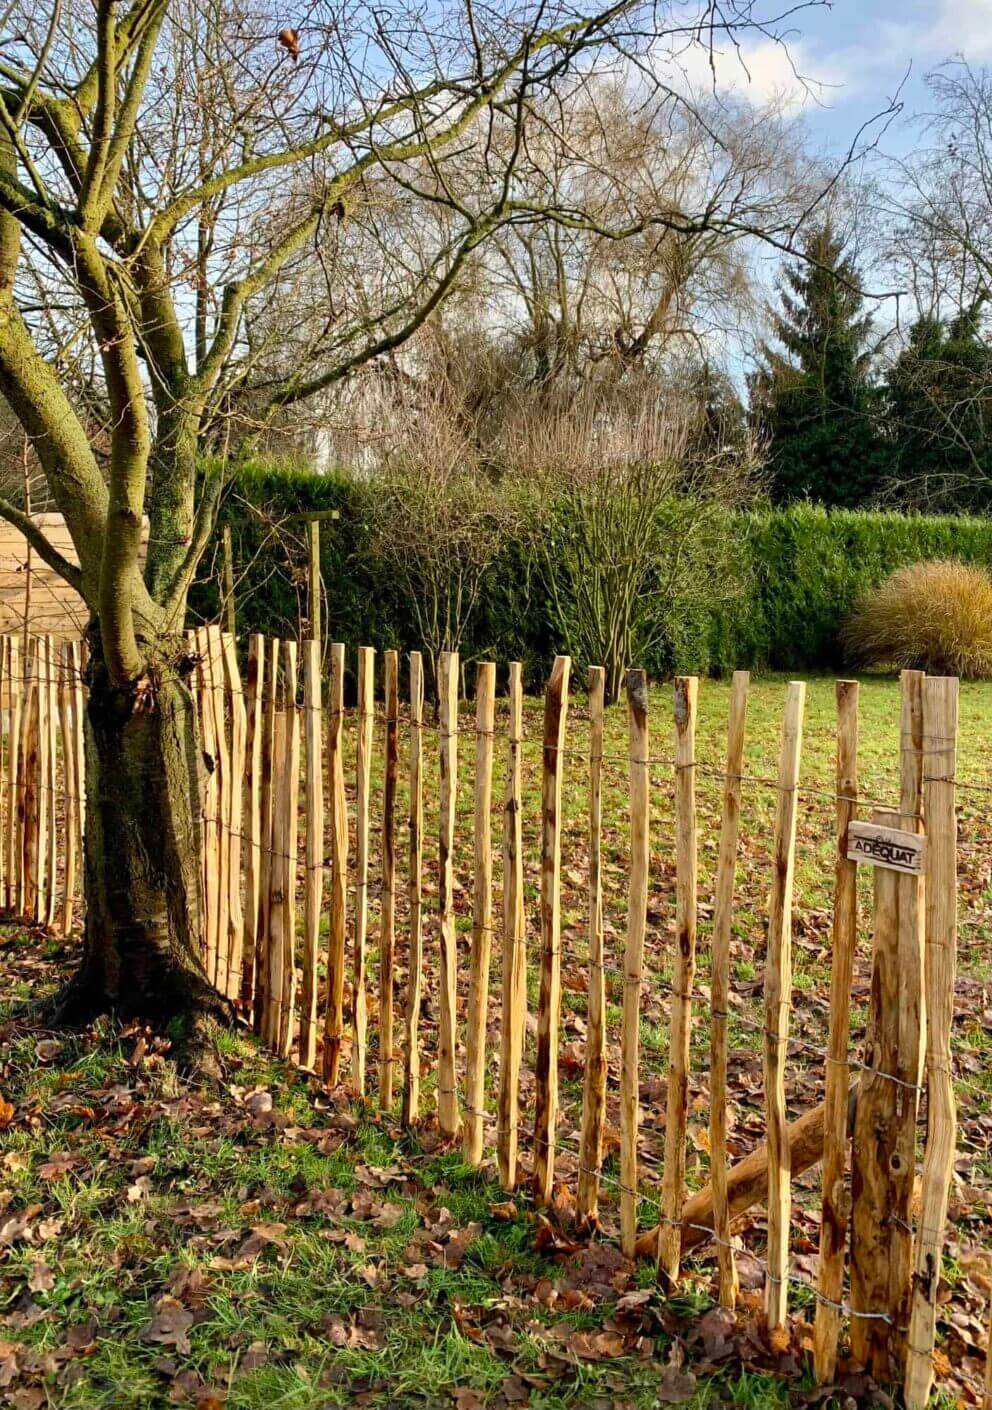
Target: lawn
264, 1244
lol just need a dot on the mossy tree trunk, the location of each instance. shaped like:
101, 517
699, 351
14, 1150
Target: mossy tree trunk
141, 946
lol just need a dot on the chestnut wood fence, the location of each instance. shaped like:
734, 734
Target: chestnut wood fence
313, 811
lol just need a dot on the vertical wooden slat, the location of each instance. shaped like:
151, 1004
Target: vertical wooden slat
637, 919
477, 1016
6, 703
363, 768
514, 995
46, 799
28, 800
287, 1008
387, 939
872, 1189
15, 775
314, 883
549, 993
336, 962
415, 963
313, 576
447, 1094
52, 711
723, 914
778, 1000
911, 906
79, 738
210, 806
235, 813
230, 624
70, 791
278, 881
940, 727
594, 1082
215, 703
836, 1201
252, 848
673, 1182
262, 947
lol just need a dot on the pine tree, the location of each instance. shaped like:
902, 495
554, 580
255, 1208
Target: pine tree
938, 413
814, 399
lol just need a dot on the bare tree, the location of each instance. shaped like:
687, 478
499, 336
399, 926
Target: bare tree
165, 165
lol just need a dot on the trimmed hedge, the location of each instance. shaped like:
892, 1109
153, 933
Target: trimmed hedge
800, 571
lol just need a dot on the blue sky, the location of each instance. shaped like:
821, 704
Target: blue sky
856, 53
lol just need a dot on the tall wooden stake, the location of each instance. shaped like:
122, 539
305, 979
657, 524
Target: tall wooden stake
415, 966
836, 1201
230, 624
15, 772
235, 812
669, 1243
637, 920
314, 884
723, 914
514, 996
594, 1083
363, 773
549, 996
262, 951
252, 850
287, 1007
447, 1094
387, 939
940, 728
313, 545
46, 801
778, 1000
336, 961
477, 1016
70, 785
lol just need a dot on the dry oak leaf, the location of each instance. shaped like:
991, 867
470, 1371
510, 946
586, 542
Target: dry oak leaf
597, 1346
676, 1386
170, 1325
290, 41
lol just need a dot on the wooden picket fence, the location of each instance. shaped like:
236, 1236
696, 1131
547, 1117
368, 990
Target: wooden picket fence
279, 820
42, 779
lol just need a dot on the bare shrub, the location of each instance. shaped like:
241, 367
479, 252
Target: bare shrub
935, 617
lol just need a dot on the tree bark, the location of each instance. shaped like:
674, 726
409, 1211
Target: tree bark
141, 951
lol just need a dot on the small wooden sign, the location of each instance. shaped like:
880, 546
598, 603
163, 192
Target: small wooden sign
890, 847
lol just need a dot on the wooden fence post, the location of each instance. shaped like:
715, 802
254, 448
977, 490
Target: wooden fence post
313, 547
6, 706
235, 812
940, 727
222, 774
336, 961
15, 775
28, 802
230, 624
447, 1093
549, 999
252, 848
415, 965
723, 914
70, 784
210, 807
263, 982
314, 884
637, 919
363, 768
514, 987
673, 1180
387, 936
778, 999
278, 882
287, 1007
52, 710
46, 800
477, 1016
836, 1201
79, 739
594, 1081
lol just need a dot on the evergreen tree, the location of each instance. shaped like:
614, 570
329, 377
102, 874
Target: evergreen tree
814, 399
939, 413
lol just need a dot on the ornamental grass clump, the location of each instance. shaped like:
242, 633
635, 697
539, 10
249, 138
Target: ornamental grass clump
934, 616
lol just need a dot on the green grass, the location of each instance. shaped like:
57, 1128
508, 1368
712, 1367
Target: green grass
343, 1302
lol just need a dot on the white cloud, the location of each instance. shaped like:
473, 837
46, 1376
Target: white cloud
763, 71
959, 27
